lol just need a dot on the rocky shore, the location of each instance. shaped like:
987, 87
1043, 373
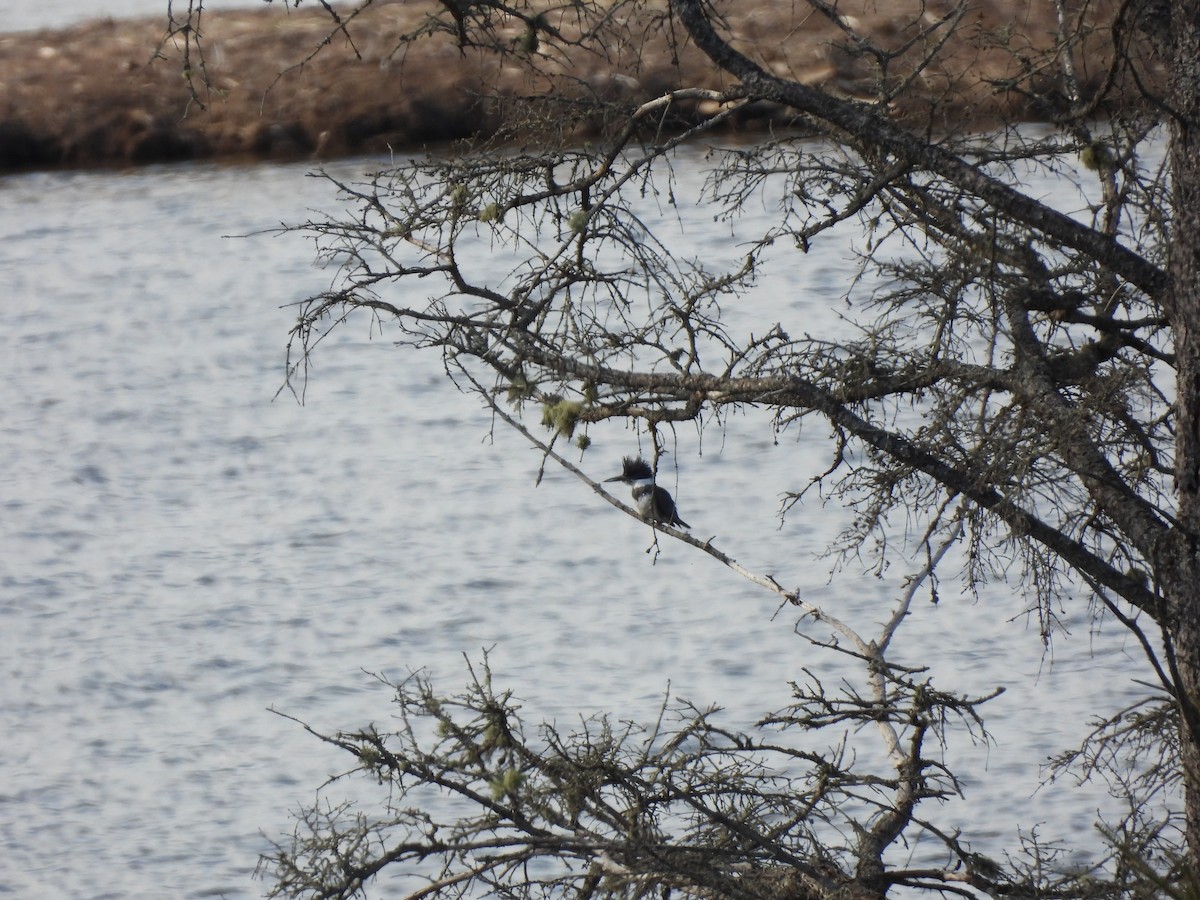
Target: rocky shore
111, 92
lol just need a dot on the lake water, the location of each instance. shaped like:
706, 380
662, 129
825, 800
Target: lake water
26, 15
182, 550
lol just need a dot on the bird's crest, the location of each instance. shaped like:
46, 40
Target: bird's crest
635, 468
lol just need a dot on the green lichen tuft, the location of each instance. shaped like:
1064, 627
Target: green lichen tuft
528, 42
578, 221
1096, 156
562, 415
495, 737
519, 390
507, 784
459, 195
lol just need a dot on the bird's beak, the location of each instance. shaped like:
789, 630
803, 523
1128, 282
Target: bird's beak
617, 478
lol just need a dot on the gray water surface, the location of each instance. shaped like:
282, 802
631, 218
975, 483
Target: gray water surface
27, 15
181, 551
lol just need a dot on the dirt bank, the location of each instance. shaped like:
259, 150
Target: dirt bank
94, 95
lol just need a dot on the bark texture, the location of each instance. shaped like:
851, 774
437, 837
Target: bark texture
1181, 571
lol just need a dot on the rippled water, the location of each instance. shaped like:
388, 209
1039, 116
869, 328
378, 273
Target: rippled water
25, 15
182, 552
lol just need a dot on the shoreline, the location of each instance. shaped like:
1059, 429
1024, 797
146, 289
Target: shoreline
92, 95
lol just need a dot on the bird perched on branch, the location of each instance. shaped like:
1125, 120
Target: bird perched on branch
654, 504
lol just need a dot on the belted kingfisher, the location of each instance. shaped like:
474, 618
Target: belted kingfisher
653, 503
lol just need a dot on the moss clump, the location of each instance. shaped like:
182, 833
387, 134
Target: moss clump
519, 390
459, 196
507, 784
1096, 156
578, 221
562, 415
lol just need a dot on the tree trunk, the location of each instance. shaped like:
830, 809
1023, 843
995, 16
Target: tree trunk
1187, 645
1179, 572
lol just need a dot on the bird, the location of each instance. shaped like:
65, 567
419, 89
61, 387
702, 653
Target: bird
654, 504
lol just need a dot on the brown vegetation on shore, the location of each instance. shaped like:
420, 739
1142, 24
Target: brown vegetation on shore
95, 94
